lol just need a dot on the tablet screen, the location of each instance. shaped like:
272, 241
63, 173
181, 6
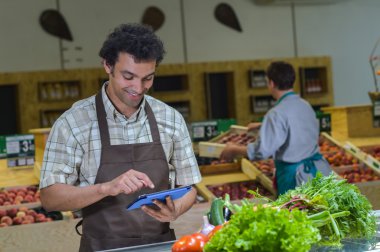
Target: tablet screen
147, 199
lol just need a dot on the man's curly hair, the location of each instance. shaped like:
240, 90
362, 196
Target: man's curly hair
136, 39
282, 74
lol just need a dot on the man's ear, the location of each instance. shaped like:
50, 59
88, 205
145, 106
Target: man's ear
107, 67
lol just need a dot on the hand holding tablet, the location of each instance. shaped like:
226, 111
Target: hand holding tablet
147, 199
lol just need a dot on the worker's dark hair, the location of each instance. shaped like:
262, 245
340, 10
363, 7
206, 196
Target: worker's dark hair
136, 39
282, 74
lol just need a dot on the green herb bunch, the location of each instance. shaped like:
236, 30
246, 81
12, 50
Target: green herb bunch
336, 207
260, 228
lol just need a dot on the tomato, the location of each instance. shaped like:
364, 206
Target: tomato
190, 243
216, 229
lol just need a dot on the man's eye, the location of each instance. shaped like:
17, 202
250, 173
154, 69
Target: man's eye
149, 78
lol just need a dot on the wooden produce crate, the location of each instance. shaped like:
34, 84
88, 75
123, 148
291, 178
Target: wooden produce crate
219, 168
254, 171
208, 183
208, 166
365, 178
364, 154
328, 143
215, 146
16, 196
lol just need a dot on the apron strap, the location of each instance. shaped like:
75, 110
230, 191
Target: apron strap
102, 120
286, 172
152, 123
77, 226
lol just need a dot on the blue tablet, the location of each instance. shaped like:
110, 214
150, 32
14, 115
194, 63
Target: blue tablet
147, 199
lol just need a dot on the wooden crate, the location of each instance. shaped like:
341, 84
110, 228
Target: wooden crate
213, 148
363, 156
219, 168
352, 121
255, 173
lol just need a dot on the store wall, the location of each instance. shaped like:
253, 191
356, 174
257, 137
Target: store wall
346, 31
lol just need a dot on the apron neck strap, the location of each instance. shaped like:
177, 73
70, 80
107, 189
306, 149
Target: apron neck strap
285, 95
103, 125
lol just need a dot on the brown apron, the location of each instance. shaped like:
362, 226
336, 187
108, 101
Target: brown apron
106, 223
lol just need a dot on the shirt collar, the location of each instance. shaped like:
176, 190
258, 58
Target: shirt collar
113, 114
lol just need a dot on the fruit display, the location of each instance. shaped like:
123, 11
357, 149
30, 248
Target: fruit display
266, 167
21, 195
209, 161
374, 151
24, 215
237, 138
340, 158
326, 145
357, 174
238, 190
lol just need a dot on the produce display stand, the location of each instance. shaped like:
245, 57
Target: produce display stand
242, 175
351, 245
213, 148
253, 172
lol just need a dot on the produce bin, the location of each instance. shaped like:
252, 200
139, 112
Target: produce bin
236, 134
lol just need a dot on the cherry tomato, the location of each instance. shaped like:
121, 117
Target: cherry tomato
190, 243
215, 229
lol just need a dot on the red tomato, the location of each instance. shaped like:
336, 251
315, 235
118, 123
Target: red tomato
190, 243
215, 229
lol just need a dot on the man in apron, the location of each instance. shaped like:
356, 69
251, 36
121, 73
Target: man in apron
289, 133
110, 148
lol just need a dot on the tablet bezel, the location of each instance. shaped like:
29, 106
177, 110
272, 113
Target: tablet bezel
147, 199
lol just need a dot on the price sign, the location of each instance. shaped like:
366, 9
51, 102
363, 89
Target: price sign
20, 151
324, 122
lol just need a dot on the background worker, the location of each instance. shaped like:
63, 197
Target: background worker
289, 133
110, 148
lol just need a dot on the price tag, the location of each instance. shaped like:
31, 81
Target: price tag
376, 114
324, 122
20, 150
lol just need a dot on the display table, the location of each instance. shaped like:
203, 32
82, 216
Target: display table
60, 236
348, 245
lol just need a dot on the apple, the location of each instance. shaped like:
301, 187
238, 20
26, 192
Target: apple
3, 224
21, 214
17, 220
2, 213
31, 212
29, 218
40, 217
6, 219
12, 212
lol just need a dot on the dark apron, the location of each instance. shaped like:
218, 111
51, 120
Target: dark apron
286, 173
106, 223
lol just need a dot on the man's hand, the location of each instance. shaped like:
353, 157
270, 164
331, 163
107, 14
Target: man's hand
165, 213
232, 151
253, 126
128, 182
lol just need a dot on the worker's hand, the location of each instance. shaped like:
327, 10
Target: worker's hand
128, 182
161, 211
232, 151
253, 126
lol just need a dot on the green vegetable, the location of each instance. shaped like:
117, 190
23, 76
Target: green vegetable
336, 207
216, 212
265, 229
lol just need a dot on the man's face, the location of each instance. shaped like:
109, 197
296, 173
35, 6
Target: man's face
129, 81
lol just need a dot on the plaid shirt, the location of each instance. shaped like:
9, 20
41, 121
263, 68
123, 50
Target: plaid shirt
72, 153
